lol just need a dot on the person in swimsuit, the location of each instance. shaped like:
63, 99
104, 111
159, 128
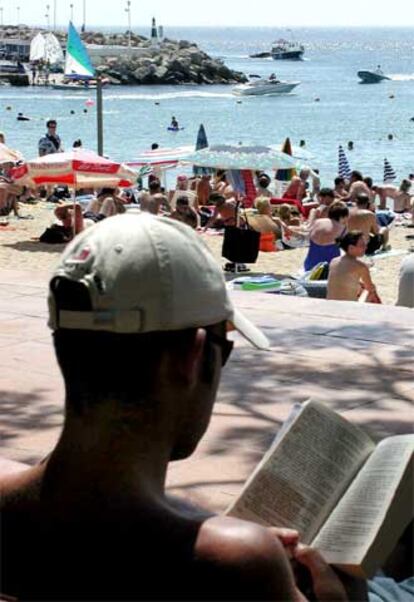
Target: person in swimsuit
347, 274
362, 218
324, 234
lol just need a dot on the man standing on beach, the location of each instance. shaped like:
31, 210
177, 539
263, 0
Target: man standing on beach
50, 143
139, 312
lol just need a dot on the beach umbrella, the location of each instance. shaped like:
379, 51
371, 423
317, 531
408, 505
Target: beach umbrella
161, 157
344, 169
201, 143
241, 157
7, 155
389, 173
77, 168
285, 175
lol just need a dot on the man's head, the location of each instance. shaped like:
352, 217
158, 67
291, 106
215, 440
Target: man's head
139, 310
154, 186
51, 125
362, 201
353, 243
182, 182
356, 176
338, 212
217, 199
368, 181
339, 182
326, 196
264, 180
304, 174
405, 185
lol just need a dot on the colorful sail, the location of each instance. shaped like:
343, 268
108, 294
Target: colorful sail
77, 63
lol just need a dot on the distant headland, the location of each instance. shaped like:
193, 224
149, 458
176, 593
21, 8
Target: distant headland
131, 59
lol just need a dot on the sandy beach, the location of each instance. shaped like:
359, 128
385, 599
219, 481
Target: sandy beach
19, 251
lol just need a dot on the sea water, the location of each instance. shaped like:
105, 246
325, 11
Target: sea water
328, 108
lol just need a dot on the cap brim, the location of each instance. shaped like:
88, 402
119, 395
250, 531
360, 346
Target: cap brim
249, 331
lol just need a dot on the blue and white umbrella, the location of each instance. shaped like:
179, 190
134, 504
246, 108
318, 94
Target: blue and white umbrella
241, 157
344, 169
389, 173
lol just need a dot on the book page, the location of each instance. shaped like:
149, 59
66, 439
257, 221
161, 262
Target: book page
351, 529
305, 472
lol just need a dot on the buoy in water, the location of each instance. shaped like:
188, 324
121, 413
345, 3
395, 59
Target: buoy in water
391, 96
239, 102
89, 102
317, 99
8, 108
85, 110
72, 112
156, 103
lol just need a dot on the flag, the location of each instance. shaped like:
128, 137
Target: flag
344, 170
389, 173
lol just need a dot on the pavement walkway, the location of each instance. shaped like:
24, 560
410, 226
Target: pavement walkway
356, 358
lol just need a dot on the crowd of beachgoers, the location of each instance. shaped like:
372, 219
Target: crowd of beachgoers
333, 234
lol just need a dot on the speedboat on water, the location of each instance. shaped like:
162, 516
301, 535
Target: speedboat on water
283, 49
264, 87
371, 77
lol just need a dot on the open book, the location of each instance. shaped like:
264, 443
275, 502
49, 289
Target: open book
348, 497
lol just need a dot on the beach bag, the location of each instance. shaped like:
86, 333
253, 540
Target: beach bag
240, 245
55, 235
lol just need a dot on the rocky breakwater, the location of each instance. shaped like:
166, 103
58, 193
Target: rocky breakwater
169, 62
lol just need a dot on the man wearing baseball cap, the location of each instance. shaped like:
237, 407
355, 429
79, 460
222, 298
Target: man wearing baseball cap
139, 313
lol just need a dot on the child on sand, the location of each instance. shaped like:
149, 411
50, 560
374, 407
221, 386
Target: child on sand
347, 274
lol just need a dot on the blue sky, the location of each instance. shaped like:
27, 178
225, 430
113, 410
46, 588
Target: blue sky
276, 13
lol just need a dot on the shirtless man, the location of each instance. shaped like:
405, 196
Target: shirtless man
298, 186
141, 358
224, 214
348, 273
363, 219
357, 186
203, 189
326, 198
401, 196
182, 189
340, 190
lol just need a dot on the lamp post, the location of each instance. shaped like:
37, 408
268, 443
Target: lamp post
54, 15
128, 11
1, 15
71, 12
18, 14
47, 15
84, 16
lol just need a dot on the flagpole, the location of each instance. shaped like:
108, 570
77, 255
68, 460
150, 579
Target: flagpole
99, 116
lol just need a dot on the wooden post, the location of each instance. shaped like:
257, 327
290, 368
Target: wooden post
99, 116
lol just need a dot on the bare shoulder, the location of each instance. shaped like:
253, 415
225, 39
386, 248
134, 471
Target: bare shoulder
247, 554
19, 484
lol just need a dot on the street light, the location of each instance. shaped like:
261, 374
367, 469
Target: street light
47, 15
128, 10
71, 12
1, 15
84, 16
54, 15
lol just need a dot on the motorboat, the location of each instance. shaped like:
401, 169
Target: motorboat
78, 85
371, 77
283, 49
264, 87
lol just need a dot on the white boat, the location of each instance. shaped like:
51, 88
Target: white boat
283, 49
264, 87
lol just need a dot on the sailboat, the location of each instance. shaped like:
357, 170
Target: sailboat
79, 73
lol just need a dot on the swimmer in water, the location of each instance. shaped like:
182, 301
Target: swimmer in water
350, 145
174, 123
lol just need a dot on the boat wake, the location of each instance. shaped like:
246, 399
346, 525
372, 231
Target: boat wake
168, 95
402, 77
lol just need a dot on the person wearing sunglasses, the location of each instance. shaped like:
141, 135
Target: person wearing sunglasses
140, 313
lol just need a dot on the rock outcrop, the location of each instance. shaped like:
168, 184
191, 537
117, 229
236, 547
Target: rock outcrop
168, 62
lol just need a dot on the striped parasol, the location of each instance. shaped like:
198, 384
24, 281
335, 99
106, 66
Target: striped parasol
161, 157
344, 169
389, 173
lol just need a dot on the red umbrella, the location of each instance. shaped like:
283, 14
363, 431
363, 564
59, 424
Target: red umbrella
76, 168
